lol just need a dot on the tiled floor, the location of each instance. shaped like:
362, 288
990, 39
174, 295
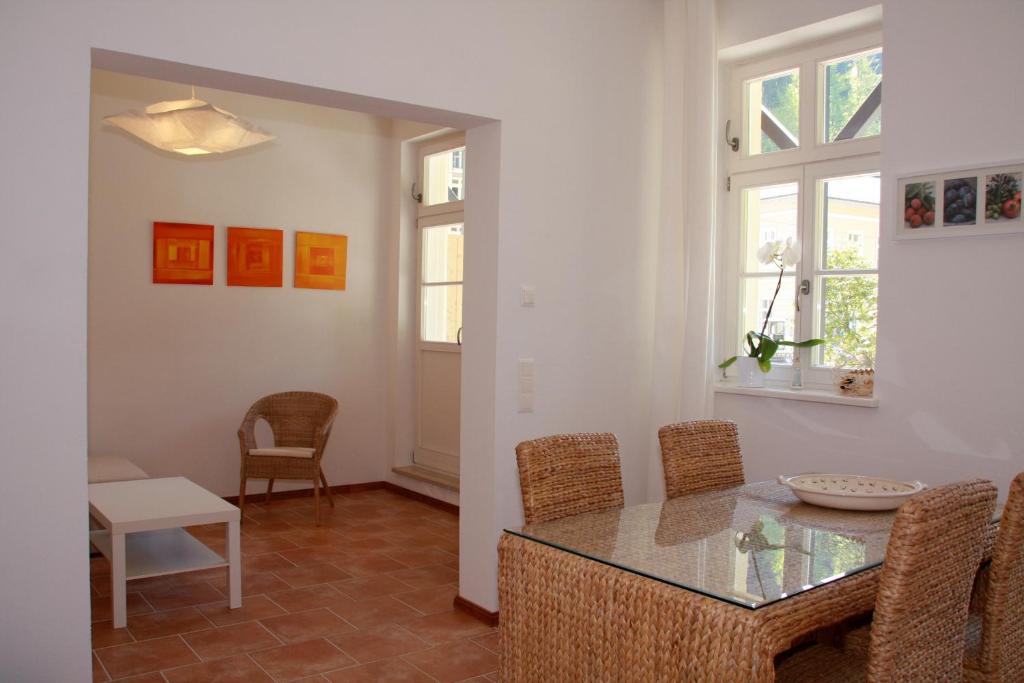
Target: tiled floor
367, 596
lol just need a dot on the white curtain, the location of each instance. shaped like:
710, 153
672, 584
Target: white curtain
685, 273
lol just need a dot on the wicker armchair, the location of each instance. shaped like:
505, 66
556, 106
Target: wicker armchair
924, 589
995, 627
301, 422
702, 455
569, 474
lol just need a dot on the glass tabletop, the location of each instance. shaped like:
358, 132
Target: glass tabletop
751, 545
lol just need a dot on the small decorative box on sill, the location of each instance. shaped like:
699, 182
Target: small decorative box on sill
851, 491
855, 382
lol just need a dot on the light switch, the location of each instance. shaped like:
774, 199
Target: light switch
527, 295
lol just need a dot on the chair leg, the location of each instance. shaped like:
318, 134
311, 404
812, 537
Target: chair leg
270, 488
241, 498
327, 489
316, 501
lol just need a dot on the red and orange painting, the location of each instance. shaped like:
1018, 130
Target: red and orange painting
320, 260
255, 257
182, 254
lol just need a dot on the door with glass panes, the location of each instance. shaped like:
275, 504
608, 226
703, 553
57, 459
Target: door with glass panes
441, 231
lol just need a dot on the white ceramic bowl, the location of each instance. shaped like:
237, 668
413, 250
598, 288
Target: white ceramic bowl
851, 491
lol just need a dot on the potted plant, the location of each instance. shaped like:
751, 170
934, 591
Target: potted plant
761, 348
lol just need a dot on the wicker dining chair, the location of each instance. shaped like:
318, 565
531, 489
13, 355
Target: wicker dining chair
701, 455
569, 474
917, 633
301, 422
995, 627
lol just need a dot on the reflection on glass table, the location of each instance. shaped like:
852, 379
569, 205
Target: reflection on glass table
751, 545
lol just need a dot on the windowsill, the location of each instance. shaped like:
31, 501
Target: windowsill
806, 394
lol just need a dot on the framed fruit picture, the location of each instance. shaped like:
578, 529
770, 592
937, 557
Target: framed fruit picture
960, 203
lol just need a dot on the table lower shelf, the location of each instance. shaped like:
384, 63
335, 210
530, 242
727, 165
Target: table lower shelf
156, 553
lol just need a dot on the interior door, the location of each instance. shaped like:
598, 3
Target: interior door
439, 348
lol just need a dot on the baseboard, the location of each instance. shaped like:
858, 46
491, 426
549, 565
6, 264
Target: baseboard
352, 488
416, 495
471, 608
304, 493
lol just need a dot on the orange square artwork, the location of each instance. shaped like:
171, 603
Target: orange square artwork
320, 260
255, 257
182, 254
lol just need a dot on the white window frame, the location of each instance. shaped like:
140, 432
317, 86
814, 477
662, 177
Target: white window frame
811, 161
429, 216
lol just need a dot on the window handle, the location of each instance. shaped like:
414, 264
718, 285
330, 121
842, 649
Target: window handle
733, 142
458, 337
805, 289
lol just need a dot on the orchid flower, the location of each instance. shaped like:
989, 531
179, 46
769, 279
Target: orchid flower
778, 253
761, 346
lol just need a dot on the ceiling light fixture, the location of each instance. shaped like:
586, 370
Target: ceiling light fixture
190, 127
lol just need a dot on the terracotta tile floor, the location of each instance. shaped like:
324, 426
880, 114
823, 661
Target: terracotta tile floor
365, 597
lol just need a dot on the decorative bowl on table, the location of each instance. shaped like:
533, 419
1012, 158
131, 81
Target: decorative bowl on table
851, 491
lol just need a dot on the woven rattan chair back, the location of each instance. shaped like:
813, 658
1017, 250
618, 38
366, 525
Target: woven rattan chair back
569, 474
1001, 655
298, 419
295, 417
701, 455
925, 585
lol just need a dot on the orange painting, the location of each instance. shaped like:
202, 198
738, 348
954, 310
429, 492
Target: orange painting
320, 260
182, 254
255, 257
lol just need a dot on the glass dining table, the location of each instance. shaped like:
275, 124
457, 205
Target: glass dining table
704, 587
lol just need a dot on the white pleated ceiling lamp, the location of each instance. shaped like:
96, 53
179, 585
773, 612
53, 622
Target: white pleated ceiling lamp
190, 127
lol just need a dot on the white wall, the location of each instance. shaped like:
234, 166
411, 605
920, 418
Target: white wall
43, 178
575, 85
949, 315
745, 21
173, 368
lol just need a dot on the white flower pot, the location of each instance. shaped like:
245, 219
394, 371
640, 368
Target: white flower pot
750, 374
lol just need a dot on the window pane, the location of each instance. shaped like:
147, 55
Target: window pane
848, 321
445, 176
853, 97
773, 113
756, 297
833, 554
442, 253
769, 214
441, 313
850, 222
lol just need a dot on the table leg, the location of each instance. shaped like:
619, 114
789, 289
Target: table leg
118, 588
234, 566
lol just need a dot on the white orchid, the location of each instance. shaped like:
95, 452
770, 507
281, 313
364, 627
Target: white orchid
766, 254
782, 255
778, 253
791, 254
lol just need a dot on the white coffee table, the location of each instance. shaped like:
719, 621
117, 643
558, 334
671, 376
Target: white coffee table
142, 534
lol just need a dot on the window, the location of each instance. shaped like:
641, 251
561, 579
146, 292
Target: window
807, 170
441, 230
444, 175
441, 285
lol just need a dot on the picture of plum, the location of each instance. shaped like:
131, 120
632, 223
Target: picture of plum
959, 195
919, 204
1002, 196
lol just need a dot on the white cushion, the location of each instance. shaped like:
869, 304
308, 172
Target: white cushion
104, 468
292, 452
